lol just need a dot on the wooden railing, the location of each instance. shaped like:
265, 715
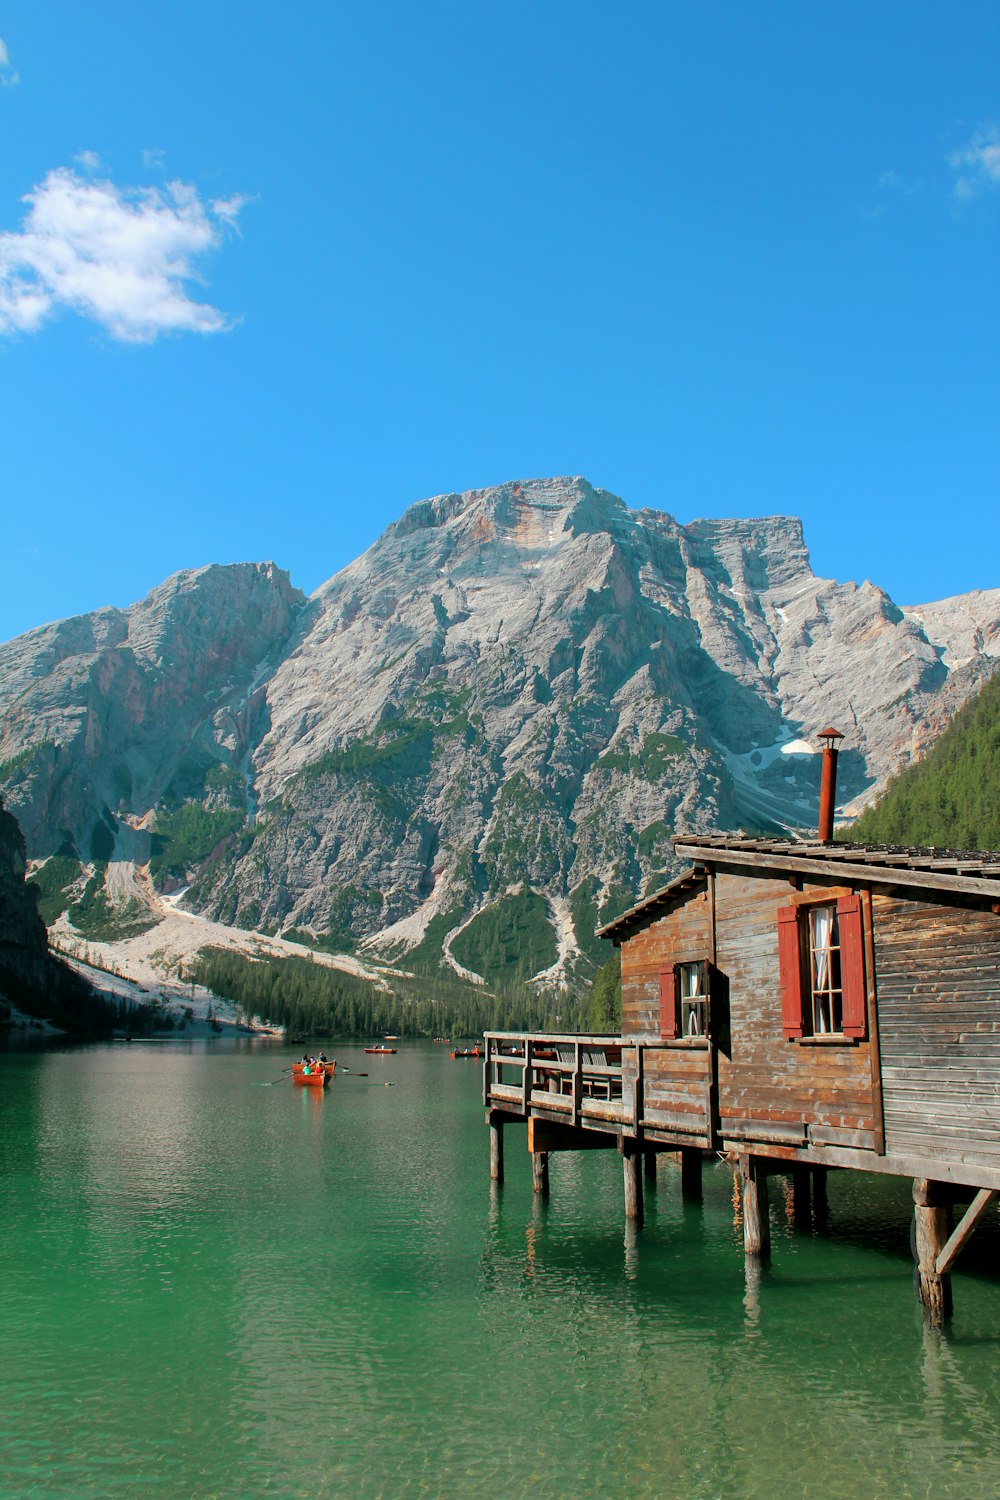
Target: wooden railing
579, 1077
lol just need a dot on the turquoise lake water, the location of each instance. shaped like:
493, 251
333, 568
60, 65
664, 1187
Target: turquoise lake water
216, 1288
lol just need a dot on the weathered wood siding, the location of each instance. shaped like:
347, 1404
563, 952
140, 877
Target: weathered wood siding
771, 1088
676, 1077
938, 973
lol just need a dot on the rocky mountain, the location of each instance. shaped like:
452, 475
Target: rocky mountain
479, 737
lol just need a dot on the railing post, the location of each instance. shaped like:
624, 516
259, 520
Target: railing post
577, 1082
526, 1081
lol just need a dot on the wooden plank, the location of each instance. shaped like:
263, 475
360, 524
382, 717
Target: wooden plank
829, 1135
751, 1131
862, 870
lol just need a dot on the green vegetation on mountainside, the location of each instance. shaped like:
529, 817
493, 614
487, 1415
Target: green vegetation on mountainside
512, 939
53, 882
951, 797
313, 999
104, 921
190, 831
650, 761
605, 1012
583, 910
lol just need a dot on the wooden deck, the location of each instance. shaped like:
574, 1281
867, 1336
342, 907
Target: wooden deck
576, 1080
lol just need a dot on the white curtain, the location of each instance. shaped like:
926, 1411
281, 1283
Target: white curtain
690, 976
822, 922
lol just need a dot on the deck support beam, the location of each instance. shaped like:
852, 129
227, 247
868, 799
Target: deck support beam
930, 1213
756, 1224
691, 1173
963, 1233
633, 1181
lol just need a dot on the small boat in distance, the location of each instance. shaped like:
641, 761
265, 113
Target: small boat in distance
380, 1051
467, 1051
445, 1039
391, 1036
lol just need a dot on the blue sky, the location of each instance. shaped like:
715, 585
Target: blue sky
269, 276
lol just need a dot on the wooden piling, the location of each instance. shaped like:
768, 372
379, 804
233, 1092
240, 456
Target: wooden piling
756, 1224
691, 1173
496, 1151
931, 1223
802, 1196
633, 1182
540, 1173
649, 1165
821, 1206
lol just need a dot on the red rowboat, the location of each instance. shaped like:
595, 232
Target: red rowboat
380, 1051
316, 1078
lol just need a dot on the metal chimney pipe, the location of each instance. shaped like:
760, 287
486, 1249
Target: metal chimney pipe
828, 785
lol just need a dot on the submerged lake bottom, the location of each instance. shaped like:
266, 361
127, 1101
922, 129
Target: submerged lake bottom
218, 1285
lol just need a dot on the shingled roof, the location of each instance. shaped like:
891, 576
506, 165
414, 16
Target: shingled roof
967, 871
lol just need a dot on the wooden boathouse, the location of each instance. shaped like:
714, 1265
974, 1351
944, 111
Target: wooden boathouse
795, 1006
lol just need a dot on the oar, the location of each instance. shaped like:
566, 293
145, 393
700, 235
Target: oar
352, 1073
273, 1081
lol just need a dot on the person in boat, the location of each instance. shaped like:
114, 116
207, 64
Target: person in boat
322, 1058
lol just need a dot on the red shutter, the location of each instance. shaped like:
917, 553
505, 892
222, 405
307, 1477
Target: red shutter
668, 1003
852, 966
790, 968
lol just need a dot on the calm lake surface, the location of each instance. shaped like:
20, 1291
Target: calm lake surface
211, 1287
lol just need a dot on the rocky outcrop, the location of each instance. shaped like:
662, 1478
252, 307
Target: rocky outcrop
526, 688
32, 982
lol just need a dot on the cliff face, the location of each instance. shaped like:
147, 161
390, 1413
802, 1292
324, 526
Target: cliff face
524, 687
110, 712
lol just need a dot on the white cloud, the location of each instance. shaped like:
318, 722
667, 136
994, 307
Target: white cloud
7, 78
89, 160
154, 159
977, 166
120, 256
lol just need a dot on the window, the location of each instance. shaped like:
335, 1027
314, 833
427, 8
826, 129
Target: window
693, 986
684, 994
826, 993
821, 957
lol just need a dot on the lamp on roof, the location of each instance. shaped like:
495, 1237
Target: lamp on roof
828, 786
